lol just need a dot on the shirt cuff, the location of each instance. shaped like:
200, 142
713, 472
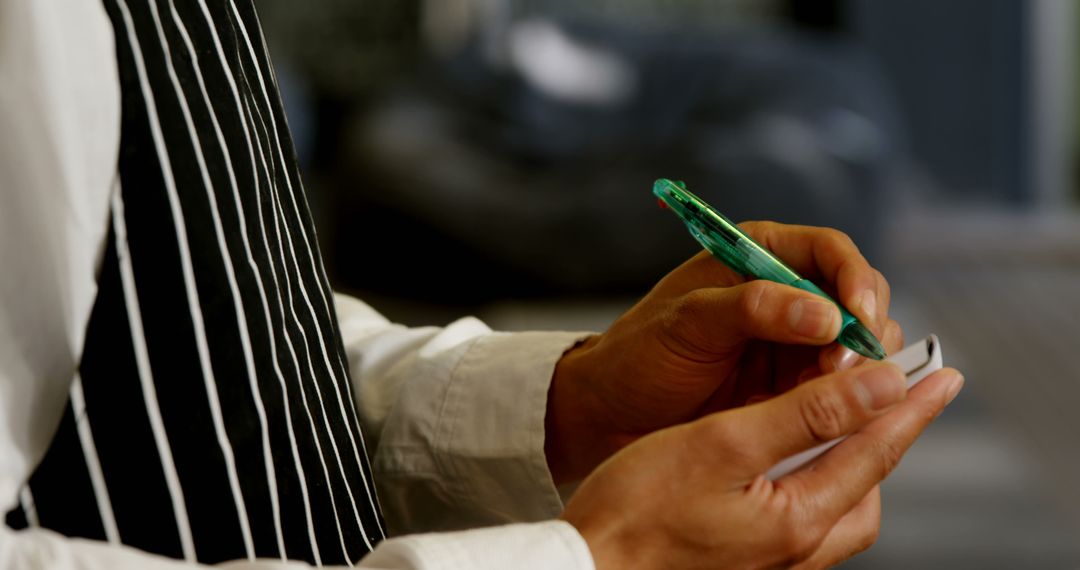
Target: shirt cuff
535, 546
463, 445
492, 427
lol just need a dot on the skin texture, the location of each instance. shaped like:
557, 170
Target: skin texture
693, 496
676, 395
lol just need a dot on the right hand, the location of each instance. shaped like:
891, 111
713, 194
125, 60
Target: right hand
695, 495
707, 339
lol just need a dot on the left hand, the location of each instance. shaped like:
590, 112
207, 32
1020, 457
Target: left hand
695, 495
705, 339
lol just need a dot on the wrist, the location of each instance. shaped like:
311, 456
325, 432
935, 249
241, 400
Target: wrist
608, 533
603, 544
573, 442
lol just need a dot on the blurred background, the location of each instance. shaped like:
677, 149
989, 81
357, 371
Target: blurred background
495, 157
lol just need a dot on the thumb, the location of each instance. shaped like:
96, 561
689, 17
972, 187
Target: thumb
815, 412
718, 318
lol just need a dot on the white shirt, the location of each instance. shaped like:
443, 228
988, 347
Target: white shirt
459, 409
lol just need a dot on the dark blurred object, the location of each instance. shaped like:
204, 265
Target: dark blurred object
963, 73
344, 49
522, 191
521, 164
822, 15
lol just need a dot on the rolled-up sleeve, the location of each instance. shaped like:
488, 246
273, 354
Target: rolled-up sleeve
535, 546
454, 419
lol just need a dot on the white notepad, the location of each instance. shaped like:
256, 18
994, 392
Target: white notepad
917, 361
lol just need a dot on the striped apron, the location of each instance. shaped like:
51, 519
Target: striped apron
212, 417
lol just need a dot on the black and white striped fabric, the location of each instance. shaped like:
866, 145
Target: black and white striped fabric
212, 418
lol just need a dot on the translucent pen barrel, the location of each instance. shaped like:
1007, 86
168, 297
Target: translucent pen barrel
741, 253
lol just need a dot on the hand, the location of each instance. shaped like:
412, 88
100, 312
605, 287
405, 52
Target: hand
705, 339
694, 496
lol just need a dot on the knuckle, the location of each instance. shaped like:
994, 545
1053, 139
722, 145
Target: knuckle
886, 289
887, 455
839, 238
753, 227
930, 410
722, 438
750, 299
842, 239
697, 302
691, 308
895, 331
719, 433
685, 321
824, 415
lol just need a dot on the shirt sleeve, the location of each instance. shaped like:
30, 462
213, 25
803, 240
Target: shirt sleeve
545, 545
454, 419
536, 546
59, 139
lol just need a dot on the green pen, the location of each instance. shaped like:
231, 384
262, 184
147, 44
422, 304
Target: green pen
729, 244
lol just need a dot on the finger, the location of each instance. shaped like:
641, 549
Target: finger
884, 294
701, 271
718, 319
893, 337
840, 357
855, 532
828, 253
871, 308
816, 412
841, 477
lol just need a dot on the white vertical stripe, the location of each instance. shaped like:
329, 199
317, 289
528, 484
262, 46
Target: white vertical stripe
247, 122
26, 500
312, 258
349, 423
292, 351
281, 223
194, 305
255, 175
142, 361
234, 288
256, 271
318, 391
315, 260
93, 465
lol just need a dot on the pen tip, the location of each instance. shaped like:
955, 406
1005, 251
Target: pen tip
858, 338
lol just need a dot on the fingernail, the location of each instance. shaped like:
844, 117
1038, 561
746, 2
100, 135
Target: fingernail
954, 389
869, 304
844, 358
811, 317
880, 386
